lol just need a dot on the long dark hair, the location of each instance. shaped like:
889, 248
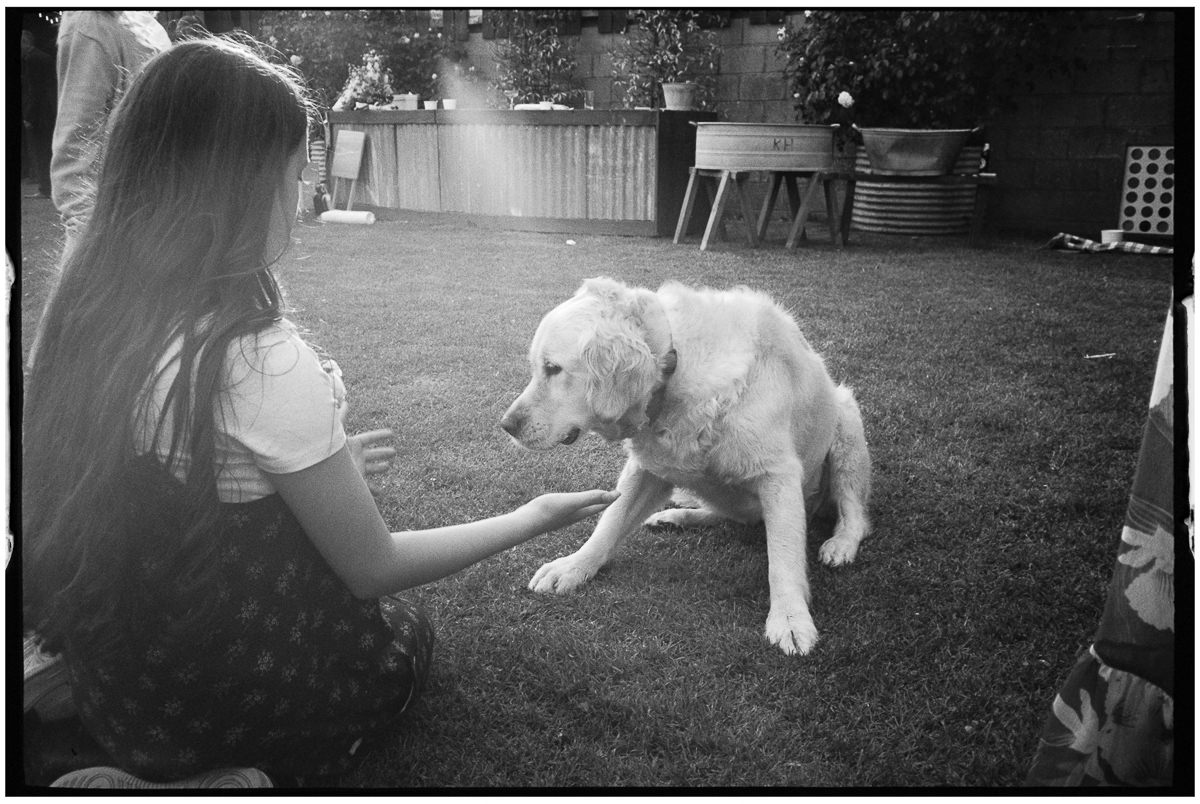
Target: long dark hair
178, 250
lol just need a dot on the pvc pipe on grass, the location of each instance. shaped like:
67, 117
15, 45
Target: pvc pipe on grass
347, 216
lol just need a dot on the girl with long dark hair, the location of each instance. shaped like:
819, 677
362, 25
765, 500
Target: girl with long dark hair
199, 540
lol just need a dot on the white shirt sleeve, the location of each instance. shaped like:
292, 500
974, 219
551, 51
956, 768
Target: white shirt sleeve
283, 402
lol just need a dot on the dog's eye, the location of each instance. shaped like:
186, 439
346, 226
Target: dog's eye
551, 368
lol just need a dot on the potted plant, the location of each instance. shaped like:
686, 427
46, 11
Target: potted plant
535, 63
370, 83
667, 51
921, 80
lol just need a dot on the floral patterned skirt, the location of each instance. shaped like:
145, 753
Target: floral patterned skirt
293, 677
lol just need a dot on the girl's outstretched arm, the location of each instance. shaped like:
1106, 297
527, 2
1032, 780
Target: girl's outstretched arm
334, 505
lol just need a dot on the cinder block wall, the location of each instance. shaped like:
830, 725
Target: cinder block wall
750, 86
1060, 155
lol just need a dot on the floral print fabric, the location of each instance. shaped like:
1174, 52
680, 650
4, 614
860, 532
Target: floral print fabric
1113, 721
294, 675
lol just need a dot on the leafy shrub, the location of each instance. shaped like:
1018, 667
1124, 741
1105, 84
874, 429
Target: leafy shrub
921, 69
324, 45
662, 46
535, 63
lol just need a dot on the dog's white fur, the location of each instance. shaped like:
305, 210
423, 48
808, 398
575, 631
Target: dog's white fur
749, 422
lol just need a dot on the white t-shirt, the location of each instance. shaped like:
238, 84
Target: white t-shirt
281, 412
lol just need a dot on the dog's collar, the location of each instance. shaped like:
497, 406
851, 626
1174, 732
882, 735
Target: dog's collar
662, 345
667, 364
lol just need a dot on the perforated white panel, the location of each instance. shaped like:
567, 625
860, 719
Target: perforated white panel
1148, 193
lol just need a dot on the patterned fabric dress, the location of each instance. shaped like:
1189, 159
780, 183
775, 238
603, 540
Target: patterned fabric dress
293, 675
1113, 721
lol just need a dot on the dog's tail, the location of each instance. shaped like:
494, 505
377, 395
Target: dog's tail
849, 467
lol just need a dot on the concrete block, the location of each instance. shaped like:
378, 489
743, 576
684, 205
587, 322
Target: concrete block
1073, 109
1098, 174
602, 64
1052, 174
740, 111
1139, 111
1014, 173
1157, 77
727, 86
778, 113
1116, 76
1095, 141
592, 41
765, 34
1053, 143
774, 61
1021, 143
762, 87
743, 60
735, 34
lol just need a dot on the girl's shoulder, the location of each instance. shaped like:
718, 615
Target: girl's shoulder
277, 349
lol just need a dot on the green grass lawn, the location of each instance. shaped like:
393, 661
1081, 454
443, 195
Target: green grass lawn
1002, 457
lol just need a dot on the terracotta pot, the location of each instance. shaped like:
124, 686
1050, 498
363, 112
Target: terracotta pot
914, 152
681, 96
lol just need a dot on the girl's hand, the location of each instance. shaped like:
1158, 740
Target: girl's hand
553, 511
370, 456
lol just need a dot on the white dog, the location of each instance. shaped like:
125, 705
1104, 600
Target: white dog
716, 393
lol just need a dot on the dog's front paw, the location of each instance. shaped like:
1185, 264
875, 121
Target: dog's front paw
793, 631
838, 551
562, 575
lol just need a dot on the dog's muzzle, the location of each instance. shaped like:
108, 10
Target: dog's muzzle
512, 423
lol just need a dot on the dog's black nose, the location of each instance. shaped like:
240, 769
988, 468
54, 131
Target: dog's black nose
511, 424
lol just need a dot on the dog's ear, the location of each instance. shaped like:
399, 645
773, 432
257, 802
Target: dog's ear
621, 371
603, 287
638, 304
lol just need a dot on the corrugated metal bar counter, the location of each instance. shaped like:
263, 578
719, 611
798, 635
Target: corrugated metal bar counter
611, 172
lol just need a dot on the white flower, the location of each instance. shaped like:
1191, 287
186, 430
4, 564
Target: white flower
846, 100
297, 60
781, 33
434, 76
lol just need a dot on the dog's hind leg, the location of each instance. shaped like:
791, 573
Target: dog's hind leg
685, 517
849, 482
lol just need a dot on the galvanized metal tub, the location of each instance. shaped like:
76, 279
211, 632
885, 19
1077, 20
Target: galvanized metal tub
916, 209
763, 146
914, 152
